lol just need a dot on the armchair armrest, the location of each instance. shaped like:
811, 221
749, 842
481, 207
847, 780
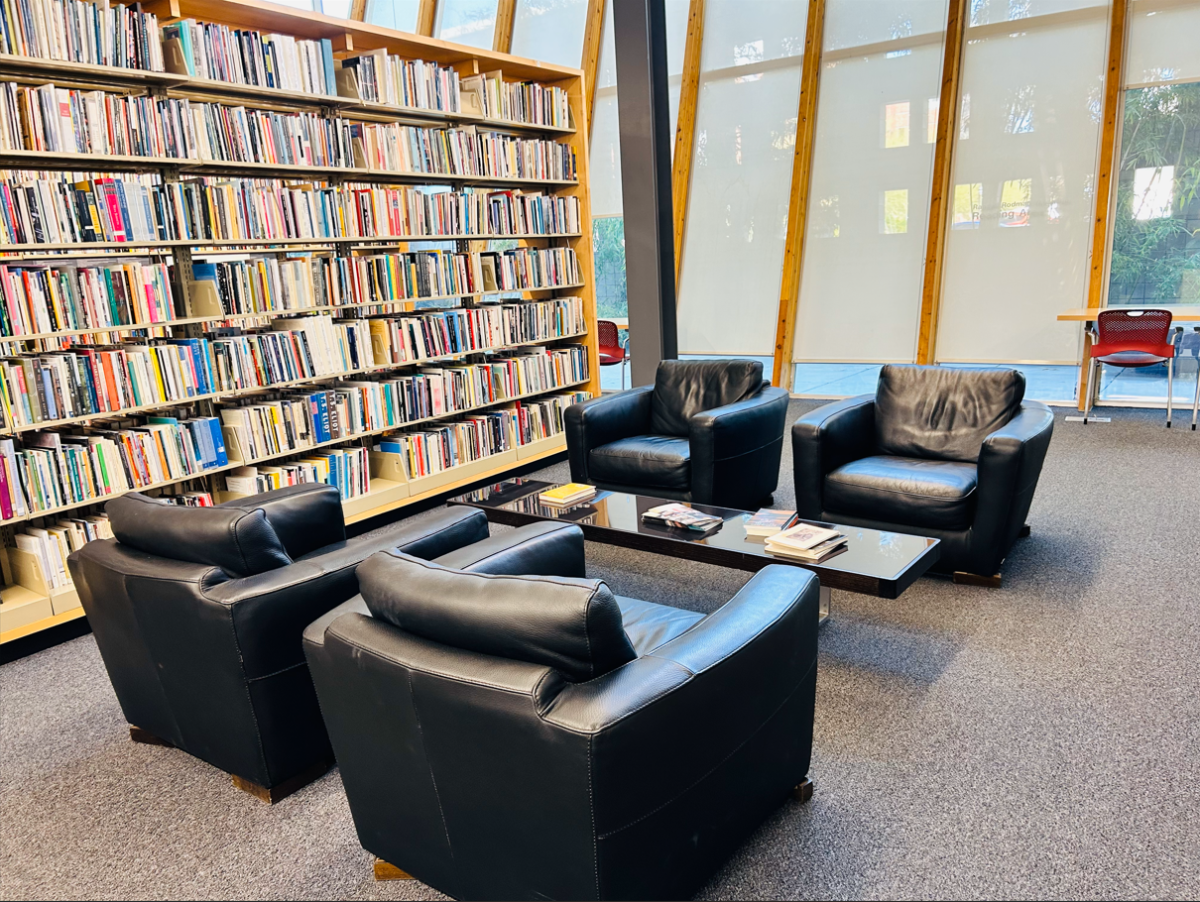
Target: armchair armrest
727, 442
825, 439
540, 549
740, 682
599, 421
1010, 463
304, 517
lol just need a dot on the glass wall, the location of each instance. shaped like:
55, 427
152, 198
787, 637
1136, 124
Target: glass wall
872, 164
741, 176
398, 14
550, 30
471, 22
1024, 175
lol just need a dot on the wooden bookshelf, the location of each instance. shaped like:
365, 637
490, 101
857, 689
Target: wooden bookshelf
348, 37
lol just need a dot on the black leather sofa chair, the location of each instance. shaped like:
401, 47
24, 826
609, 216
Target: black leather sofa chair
198, 613
954, 454
537, 737
708, 431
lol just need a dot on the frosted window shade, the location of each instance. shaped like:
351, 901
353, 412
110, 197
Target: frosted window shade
398, 14
471, 22
550, 30
1164, 42
860, 290
741, 176
1019, 257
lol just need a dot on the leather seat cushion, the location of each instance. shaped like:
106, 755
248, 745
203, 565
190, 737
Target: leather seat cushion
650, 625
684, 388
661, 461
943, 413
1133, 358
240, 542
937, 494
573, 625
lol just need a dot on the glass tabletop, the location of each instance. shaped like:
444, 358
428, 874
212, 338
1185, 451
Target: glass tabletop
869, 552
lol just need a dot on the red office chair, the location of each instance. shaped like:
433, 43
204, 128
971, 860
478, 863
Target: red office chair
612, 352
1133, 338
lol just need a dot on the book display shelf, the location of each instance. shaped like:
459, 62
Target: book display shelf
245, 246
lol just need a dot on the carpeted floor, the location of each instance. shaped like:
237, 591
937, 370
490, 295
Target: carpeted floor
1040, 740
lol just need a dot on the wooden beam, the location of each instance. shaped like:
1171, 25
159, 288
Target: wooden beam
793, 253
1105, 182
941, 189
685, 129
505, 16
426, 17
358, 10
593, 34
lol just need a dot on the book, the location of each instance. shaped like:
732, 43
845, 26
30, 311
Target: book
769, 522
804, 536
681, 516
813, 555
571, 493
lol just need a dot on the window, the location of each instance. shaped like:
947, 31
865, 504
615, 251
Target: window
1018, 246
860, 295
471, 22
398, 14
550, 30
741, 176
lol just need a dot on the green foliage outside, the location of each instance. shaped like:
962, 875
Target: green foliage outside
1157, 260
608, 244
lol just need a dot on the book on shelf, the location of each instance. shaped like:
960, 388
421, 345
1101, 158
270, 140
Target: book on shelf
768, 522
381, 77
81, 31
527, 102
568, 494
807, 542
346, 469
681, 516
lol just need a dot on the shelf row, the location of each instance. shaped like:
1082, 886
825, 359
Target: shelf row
8, 454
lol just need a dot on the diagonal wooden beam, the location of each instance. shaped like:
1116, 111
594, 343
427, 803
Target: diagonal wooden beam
793, 253
685, 129
941, 189
426, 16
593, 34
505, 16
358, 10
1110, 135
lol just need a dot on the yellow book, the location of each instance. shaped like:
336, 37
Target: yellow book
158, 376
565, 494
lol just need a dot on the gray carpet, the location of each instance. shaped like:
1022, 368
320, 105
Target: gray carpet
1040, 740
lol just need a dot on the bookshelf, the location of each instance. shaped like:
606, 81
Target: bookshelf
512, 371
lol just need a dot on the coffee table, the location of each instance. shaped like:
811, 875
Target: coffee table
874, 562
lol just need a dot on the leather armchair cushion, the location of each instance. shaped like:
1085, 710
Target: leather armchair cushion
305, 517
937, 494
650, 625
943, 413
240, 542
684, 388
651, 460
572, 625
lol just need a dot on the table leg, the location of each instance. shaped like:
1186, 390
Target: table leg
823, 605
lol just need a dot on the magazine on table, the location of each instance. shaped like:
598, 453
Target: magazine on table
769, 522
681, 517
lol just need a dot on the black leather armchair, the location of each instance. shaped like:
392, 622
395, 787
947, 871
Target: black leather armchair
198, 613
537, 737
709, 431
954, 454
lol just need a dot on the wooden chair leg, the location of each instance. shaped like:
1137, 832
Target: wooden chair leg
273, 794
385, 871
803, 791
145, 737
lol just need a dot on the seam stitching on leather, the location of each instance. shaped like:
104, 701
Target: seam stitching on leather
717, 460
268, 676
708, 773
592, 810
872, 488
587, 607
246, 688
429, 765
552, 580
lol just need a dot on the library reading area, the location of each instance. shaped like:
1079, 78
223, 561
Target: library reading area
599, 449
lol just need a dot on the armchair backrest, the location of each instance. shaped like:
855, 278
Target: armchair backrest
573, 625
684, 388
943, 413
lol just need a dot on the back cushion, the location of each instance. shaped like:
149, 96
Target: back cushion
572, 625
240, 542
683, 389
943, 413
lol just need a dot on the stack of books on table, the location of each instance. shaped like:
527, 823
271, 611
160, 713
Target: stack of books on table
806, 542
566, 495
681, 517
769, 522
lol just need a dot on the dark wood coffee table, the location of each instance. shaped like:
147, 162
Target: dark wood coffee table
874, 562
